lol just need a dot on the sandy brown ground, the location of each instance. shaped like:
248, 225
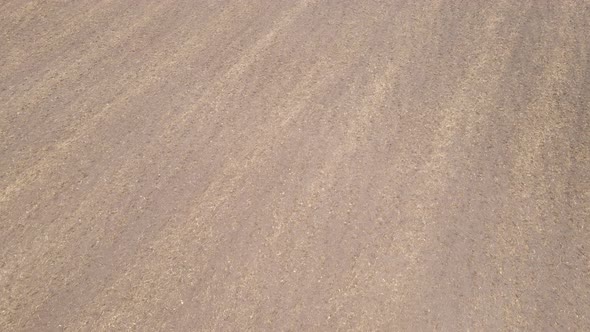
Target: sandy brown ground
294, 165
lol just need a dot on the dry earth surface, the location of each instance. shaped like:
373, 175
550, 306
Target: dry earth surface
294, 165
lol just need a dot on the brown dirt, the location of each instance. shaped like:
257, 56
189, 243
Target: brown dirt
294, 165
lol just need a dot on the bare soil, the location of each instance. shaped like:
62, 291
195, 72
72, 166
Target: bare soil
294, 165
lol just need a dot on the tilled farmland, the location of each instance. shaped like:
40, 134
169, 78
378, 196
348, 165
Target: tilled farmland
294, 165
